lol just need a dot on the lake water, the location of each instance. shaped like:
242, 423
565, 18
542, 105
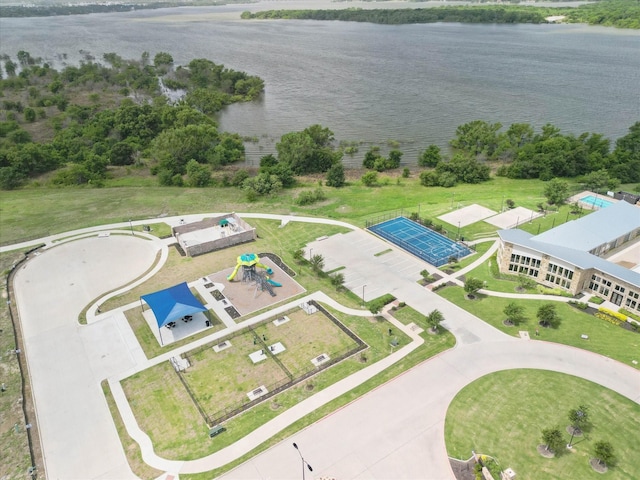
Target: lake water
374, 84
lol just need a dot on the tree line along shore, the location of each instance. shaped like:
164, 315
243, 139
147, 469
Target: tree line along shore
610, 13
86, 124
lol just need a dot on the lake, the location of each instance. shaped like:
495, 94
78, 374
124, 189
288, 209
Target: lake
407, 86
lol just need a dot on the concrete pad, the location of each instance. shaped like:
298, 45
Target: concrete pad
467, 215
512, 218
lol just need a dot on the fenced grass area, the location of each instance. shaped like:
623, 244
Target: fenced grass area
490, 417
220, 381
186, 426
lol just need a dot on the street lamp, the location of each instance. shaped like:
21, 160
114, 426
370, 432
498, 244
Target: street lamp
131, 227
304, 462
310, 252
458, 234
363, 302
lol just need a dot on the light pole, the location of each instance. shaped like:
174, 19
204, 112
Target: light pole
458, 234
363, 302
310, 252
304, 462
131, 227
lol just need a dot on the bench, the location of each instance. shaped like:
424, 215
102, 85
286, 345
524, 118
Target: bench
217, 430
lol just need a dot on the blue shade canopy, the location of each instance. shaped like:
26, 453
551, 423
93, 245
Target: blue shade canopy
173, 303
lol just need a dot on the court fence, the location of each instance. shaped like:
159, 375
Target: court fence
435, 256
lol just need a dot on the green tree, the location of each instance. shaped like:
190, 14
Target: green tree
337, 280
477, 137
514, 313
336, 176
556, 191
579, 418
431, 157
472, 285
625, 159
29, 114
298, 255
600, 181
394, 159
317, 262
198, 175
369, 179
308, 151
162, 58
370, 157
553, 441
10, 68
434, 318
429, 178
604, 453
548, 316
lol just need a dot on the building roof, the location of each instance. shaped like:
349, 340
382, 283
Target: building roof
581, 259
598, 228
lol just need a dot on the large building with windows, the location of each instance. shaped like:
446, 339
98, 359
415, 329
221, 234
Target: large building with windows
570, 256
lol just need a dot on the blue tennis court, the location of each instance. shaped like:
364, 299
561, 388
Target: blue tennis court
419, 240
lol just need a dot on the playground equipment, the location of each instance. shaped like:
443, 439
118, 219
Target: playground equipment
249, 262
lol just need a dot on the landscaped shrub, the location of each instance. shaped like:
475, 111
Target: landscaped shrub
552, 291
613, 313
609, 318
580, 305
635, 316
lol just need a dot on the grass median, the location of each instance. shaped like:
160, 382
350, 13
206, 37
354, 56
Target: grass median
502, 415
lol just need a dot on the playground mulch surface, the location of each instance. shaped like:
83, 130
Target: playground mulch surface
244, 296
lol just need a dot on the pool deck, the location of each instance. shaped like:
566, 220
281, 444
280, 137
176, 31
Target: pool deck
589, 205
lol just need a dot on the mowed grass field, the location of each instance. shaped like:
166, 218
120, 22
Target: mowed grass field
40, 211
502, 415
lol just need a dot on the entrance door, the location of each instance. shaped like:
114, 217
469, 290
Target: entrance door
616, 298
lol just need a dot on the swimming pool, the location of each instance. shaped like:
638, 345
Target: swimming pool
595, 201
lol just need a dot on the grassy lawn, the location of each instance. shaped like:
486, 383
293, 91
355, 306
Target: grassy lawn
40, 211
184, 434
502, 415
507, 283
604, 338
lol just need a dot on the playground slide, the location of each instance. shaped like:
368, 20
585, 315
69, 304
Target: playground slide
275, 284
235, 271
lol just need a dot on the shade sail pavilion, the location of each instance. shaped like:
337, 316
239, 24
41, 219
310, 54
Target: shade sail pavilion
173, 303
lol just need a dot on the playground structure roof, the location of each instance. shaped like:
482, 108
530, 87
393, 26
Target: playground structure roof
173, 303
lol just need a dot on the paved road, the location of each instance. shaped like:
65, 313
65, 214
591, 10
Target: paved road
397, 431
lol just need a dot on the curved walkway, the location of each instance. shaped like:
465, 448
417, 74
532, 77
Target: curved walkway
371, 437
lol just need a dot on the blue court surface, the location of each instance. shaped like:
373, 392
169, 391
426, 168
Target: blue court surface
419, 240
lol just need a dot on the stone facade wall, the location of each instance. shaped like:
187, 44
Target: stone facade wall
219, 244
246, 234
